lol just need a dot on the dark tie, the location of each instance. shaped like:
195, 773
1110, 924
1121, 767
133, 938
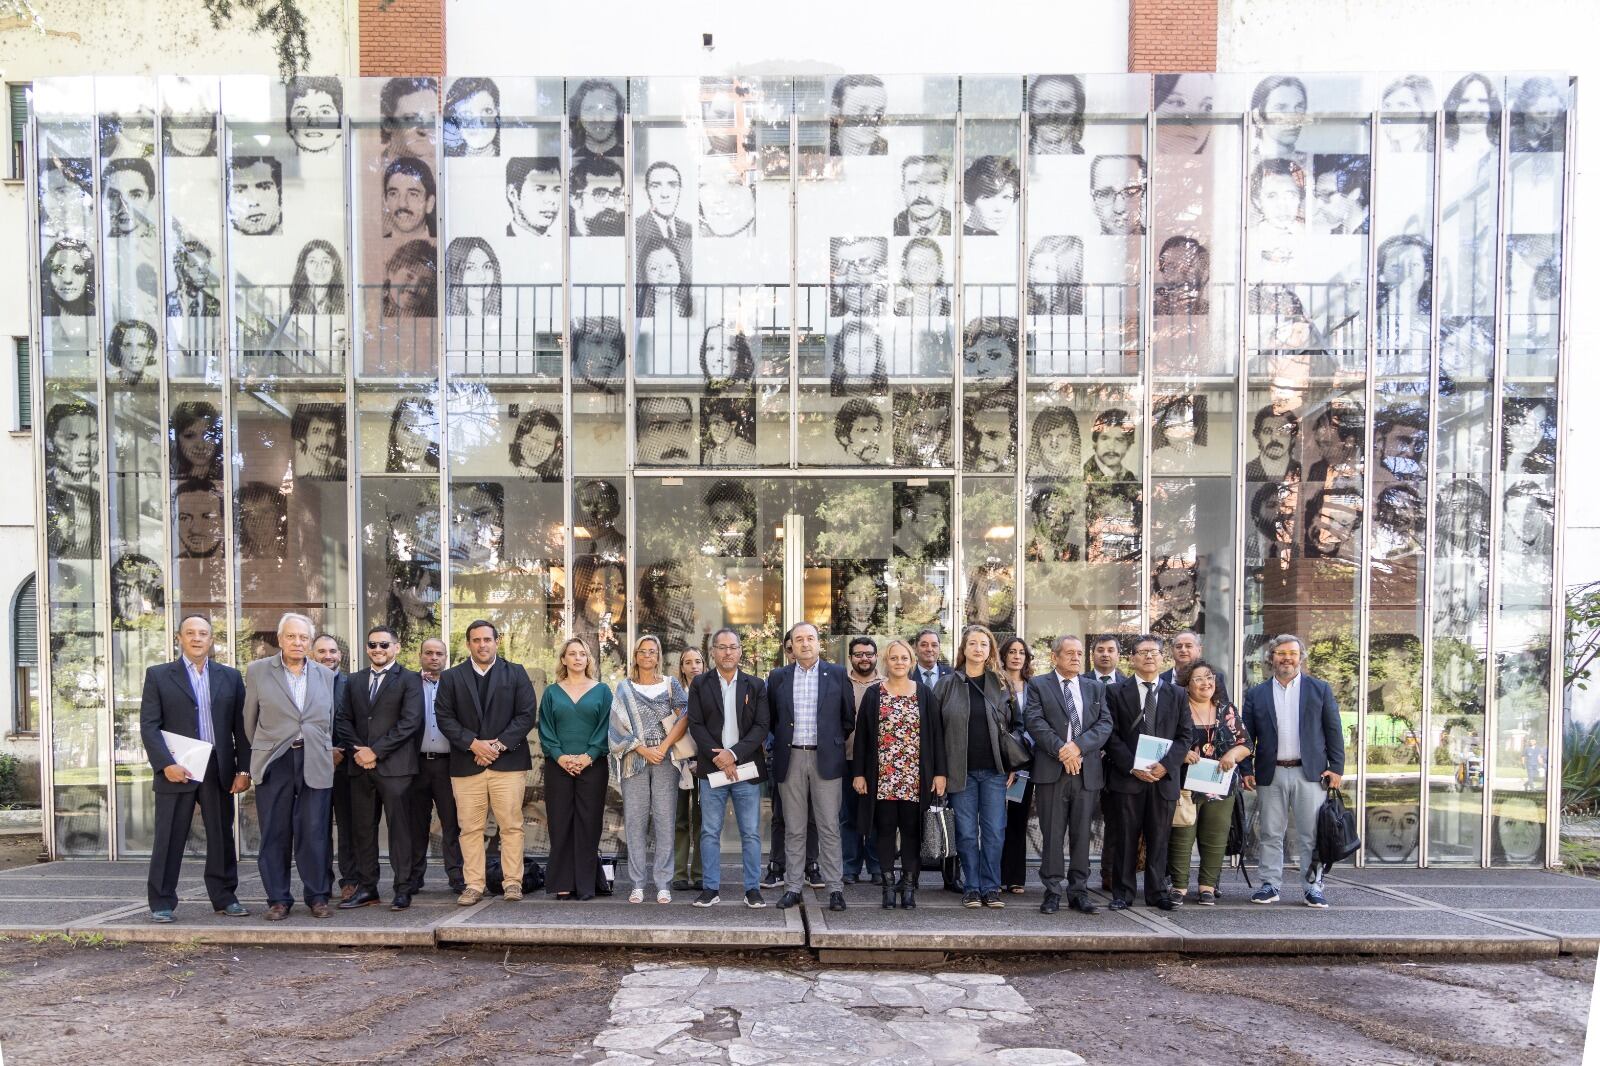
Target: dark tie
1147, 712
927, 678
372, 687
1073, 716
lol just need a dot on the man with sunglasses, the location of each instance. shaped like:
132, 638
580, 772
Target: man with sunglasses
377, 722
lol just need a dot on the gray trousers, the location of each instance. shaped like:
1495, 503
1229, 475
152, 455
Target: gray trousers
649, 811
1289, 794
1066, 810
799, 784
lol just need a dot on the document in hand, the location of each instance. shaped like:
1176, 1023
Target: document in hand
745, 771
1151, 749
1015, 791
191, 754
1207, 776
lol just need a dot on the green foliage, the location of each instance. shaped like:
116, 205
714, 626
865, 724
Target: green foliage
1580, 770
281, 20
10, 779
1583, 633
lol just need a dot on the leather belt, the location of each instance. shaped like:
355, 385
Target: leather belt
1288, 762
434, 754
803, 747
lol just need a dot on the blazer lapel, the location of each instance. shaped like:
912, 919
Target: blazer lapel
472, 687
180, 677
280, 672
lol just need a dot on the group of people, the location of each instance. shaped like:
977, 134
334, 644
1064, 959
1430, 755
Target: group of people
857, 758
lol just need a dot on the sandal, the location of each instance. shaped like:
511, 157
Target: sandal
663, 896
636, 896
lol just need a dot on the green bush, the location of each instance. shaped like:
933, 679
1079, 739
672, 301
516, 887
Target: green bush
1580, 770
10, 779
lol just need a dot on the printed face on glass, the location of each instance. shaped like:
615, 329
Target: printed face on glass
991, 443
924, 266
65, 201
664, 188
1111, 446
477, 529
314, 121
319, 450
476, 120
924, 186
666, 424
69, 273
858, 273
661, 267
601, 193
127, 202
727, 206
199, 521
1055, 107
860, 601
406, 204
134, 346
255, 202
993, 211
988, 357
411, 437
860, 111
411, 126
536, 203
1281, 200
597, 115
1191, 95
1116, 183
74, 444
861, 433
1283, 114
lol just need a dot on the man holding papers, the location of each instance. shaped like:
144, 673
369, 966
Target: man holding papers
1150, 737
199, 700
1067, 717
729, 724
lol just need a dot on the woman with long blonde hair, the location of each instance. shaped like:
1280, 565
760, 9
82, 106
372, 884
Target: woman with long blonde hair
642, 733
573, 717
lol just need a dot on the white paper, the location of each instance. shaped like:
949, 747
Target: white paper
191, 754
745, 771
1151, 750
1207, 776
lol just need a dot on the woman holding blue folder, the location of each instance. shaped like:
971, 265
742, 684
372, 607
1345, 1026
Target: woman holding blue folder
1219, 734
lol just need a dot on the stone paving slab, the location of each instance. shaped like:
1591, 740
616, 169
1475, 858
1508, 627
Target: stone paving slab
1451, 876
1578, 930
1578, 894
614, 921
365, 926
56, 916
1296, 929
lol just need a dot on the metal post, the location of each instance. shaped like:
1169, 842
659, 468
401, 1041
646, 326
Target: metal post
442, 413
1242, 519
355, 350
1145, 375
1430, 500
1019, 559
100, 610
794, 276
629, 326
569, 485
1364, 570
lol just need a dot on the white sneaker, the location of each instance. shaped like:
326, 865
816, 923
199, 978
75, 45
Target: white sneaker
636, 896
663, 896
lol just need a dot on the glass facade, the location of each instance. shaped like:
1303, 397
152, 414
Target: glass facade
611, 355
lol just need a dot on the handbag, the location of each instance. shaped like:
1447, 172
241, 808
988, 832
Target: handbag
1183, 815
1014, 753
684, 749
938, 834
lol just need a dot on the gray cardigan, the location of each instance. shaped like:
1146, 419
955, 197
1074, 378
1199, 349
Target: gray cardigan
952, 692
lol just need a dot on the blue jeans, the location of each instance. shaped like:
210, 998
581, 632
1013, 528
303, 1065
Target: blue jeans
981, 828
747, 811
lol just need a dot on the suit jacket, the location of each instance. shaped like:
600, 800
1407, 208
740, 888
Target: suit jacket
836, 718
1170, 677
168, 703
1321, 732
1045, 713
341, 685
647, 229
1171, 720
902, 223
865, 755
507, 716
273, 722
940, 672
1117, 678
705, 720
389, 725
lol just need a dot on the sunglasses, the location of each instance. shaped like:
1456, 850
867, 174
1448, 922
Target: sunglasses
376, 644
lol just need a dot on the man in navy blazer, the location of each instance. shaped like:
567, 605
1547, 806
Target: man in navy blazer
813, 712
175, 694
1299, 755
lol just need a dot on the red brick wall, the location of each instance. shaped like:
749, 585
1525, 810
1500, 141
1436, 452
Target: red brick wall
402, 37
1168, 36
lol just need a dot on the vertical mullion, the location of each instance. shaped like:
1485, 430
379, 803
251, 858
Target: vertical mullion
1364, 572
1430, 499
100, 612
1146, 371
1242, 424
1019, 479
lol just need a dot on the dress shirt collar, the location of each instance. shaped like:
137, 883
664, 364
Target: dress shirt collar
481, 670
1289, 689
803, 670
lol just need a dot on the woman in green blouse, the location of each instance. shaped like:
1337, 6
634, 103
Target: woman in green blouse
574, 715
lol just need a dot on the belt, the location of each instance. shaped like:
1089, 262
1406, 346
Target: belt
434, 754
1288, 762
803, 747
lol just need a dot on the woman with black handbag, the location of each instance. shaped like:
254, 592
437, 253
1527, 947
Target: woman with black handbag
982, 753
898, 767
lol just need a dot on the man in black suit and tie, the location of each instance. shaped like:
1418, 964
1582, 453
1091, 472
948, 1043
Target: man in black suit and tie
663, 186
729, 725
1104, 656
1186, 649
430, 789
485, 709
1067, 718
929, 670
377, 722
326, 650
1139, 803
813, 711
194, 697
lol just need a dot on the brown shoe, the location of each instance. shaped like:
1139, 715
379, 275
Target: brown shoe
468, 897
320, 909
513, 892
276, 913
346, 891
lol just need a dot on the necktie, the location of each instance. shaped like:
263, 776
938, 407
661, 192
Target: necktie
1073, 715
372, 687
1147, 712
927, 678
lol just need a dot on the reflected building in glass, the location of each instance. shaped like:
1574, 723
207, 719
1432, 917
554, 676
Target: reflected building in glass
1237, 356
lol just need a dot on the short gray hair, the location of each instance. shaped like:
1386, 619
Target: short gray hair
1057, 644
1279, 641
291, 616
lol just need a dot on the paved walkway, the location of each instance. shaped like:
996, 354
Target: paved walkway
1438, 911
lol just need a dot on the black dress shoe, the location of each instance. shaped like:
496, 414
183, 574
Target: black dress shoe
1051, 904
1118, 904
1082, 906
836, 901
774, 876
1164, 903
877, 878
788, 899
364, 897
681, 885
402, 900
814, 877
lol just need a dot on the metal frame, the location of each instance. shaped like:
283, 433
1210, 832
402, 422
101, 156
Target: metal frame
102, 565
1430, 497
1369, 400
41, 562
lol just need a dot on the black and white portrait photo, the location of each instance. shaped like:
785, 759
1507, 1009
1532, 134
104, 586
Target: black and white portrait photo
255, 195
597, 199
1117, 188
860, 596
1055, 115
1539, 116
1277, 207
196, 441
1183, 278
1055, 445
1055, 510
991, 189
137, 590
1113, 530
1399, 524
1400, 441
922, 292
1180, 96
128, 189
989, 350
1176, 605
536, 449
858, 427
663, 190
1340, 183
477, 525
413, 441
533, 193
472, 278
1055, 276
1276, 433
1529, 439
130, 133
409, 108
666, 431
922, 427
1278, 112
189, 123
314, 110
857, 275
856, 360
318, 285
921, 527
600, 609
72, 479
1333, 525
318, 432
1472, 117
263, 524
727, 202
194, 295
989, 431
197, 519
472, 118
727, 431
599, 509
925, 190
731, 521
132, 352
1177, 431
594, 119
727, 362
410, 281
1410, 100
410, 200
1338, 432
66, 197
858, 106
666, 605
664, 282
67, 280
598, 353
1111, 444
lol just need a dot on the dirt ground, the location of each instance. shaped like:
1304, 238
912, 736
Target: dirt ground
20, 850
131, 1004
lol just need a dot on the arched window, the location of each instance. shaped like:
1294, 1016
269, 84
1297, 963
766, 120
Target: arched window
25, 653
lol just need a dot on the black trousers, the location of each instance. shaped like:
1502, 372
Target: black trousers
344, 835
575, 807
1014, 854
430, 791
174, 820
1129, 816
372, 795
904, 817
776, 853
1066, 809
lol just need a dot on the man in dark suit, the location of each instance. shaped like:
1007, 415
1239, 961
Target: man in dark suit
1186, 649
1104, 655
326, 650
430, 789
729, 724
1139, 803
194, 697
929, 669
813, 711
485, 709
663, 184
378, 720
1299, 755
1067, 718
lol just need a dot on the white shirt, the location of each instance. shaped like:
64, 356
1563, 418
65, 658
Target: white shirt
1286, 708
650, 691
482, 669
730, 710
297, 686
1064, 683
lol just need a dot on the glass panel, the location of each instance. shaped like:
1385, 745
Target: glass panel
989, 553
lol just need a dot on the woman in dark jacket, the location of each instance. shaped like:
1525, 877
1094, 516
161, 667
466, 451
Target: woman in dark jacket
1220, 734
976, 706
898, 767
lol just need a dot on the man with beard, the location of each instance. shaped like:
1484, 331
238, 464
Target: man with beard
130, 192
1111, 440
1057, 536
197, 514
1275, 433
990, 438
255, 195
318, 433
1401, 435
858, 427
409, 198
533, 192
924, 183
597, 199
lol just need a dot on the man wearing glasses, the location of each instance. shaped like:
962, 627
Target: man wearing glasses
377, 721
1116, 182
858, 275
597, 199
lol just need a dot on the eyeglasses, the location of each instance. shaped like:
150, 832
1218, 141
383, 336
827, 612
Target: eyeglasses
724, 647
1127, 192
374, 645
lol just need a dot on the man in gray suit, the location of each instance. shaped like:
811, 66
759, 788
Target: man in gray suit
1066, 716
288, 716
